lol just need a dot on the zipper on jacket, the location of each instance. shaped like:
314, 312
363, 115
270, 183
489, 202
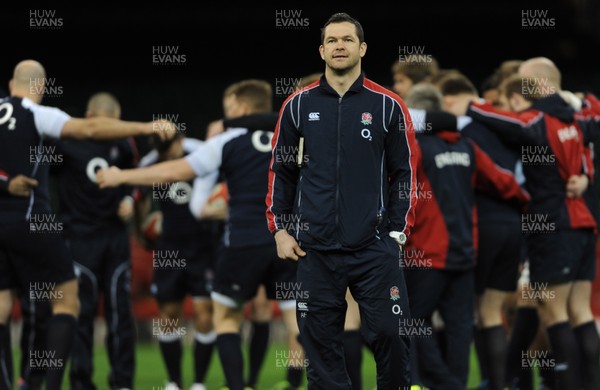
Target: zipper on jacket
299, 208
337, 166
381, 207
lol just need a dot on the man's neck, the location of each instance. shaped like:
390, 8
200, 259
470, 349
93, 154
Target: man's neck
21, 94
341, 83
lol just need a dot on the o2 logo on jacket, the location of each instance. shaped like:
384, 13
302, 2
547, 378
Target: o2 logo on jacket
93, 166
258, 141
180, 192
366, 134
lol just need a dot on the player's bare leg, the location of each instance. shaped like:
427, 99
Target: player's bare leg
490, 307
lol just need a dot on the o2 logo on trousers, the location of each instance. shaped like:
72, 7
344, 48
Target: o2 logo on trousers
93, 166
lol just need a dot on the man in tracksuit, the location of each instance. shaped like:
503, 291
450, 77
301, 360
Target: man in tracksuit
351, 142
562, 263
450, 168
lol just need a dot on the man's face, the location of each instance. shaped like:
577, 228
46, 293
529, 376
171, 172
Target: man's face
341, 49
518, 103
402, 84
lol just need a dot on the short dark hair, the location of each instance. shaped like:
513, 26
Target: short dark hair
457, 84
341, 17
417, 67
515, 84
492, 81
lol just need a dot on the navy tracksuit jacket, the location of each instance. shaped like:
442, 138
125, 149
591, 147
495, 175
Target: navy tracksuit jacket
355, 166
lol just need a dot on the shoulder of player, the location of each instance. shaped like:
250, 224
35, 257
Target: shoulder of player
36, 107
226, 136
376, 88
220, 141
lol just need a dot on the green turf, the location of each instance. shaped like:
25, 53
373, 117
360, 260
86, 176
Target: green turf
151, 373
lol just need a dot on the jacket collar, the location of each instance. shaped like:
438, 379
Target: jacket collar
354, 88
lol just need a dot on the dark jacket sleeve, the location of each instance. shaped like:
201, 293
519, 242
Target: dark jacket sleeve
283, 175
514, 129
401, 164
496, 181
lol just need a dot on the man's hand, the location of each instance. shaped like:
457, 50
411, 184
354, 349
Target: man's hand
576, 185
109, 177
125, 211
21, 185
165, 129
287, 247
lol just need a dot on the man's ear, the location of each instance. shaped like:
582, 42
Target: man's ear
363, 49
322, 52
